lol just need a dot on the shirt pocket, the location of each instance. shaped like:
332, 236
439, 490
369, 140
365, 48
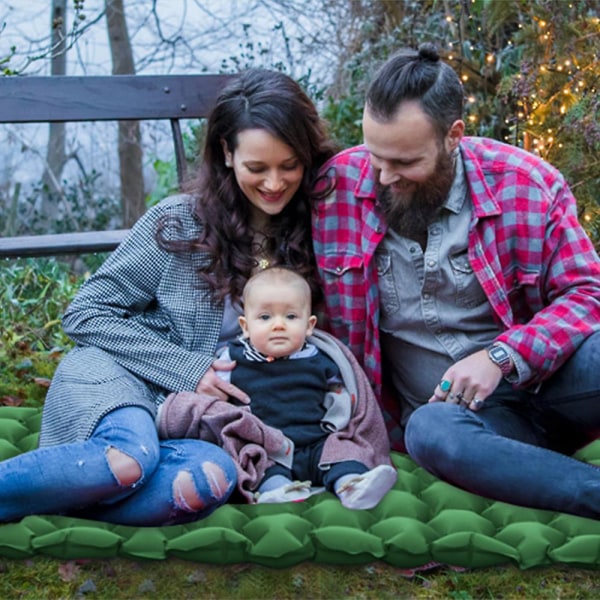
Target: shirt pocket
345, 287
388, 291
336, 269
469, 292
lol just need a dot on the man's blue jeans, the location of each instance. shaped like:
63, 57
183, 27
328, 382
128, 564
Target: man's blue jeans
516, 448
77, 478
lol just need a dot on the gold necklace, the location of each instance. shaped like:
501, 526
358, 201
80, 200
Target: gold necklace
261, 257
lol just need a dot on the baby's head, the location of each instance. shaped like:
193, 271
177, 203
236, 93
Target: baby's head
277, 305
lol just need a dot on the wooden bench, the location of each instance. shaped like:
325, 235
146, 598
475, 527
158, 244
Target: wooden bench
101, 98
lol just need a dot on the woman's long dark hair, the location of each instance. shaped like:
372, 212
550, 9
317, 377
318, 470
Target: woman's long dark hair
274, 102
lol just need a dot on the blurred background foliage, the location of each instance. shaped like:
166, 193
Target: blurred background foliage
530, 69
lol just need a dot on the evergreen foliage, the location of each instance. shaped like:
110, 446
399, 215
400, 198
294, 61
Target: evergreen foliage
530, 68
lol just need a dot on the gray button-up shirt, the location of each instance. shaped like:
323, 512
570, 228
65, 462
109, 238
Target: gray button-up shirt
433, 310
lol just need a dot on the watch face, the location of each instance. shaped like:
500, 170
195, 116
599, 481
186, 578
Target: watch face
498, 354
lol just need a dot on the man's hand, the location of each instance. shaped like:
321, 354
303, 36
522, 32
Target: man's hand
212, 385
469, 381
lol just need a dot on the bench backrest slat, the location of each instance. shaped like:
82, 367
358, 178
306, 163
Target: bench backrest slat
101, 98
107, 98
27, 246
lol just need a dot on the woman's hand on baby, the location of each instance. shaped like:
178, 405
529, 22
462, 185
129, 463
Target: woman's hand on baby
213, 385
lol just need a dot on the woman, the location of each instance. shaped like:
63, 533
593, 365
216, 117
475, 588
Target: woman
149, 321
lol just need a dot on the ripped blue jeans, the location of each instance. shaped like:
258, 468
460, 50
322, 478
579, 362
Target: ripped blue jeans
167, 482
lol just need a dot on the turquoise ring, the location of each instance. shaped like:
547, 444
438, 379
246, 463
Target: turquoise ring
445, 385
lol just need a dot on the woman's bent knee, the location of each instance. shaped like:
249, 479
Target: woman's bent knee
129, 441
204, 480
126, 470
187, 496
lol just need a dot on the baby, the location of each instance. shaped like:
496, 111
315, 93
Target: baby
297, 388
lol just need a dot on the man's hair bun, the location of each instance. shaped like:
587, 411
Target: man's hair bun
428, 51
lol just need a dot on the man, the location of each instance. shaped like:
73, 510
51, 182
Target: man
457, 268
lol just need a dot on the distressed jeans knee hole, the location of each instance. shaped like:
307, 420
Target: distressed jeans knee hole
125, 468
186, 495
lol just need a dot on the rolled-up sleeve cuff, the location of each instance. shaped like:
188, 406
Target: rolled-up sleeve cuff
522, 372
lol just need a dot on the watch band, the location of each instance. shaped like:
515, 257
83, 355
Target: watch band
500, 356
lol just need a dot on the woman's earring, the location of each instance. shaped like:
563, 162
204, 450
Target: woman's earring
228, 163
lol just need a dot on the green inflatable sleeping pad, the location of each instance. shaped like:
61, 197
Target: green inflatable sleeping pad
421, 521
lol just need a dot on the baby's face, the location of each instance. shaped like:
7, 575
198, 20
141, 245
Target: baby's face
277, 321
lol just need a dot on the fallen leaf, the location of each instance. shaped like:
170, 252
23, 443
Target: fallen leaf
68, 571
11, 401
42, 381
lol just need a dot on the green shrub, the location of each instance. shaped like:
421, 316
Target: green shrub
33, 297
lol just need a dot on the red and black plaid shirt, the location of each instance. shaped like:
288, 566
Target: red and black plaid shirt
527, 248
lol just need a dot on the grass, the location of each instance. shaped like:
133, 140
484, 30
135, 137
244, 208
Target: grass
33, 295
46, 578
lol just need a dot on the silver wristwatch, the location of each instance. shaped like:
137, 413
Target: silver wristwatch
499, 356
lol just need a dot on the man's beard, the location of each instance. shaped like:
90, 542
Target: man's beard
410, 214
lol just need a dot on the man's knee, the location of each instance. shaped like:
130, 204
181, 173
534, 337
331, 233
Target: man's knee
426, 432
587, 356
419, 423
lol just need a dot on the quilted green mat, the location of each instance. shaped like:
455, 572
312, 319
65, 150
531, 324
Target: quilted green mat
421, 521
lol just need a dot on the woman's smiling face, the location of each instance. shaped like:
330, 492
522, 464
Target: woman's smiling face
267, 170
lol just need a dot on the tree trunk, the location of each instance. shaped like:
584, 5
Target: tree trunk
130, 148
55, 151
